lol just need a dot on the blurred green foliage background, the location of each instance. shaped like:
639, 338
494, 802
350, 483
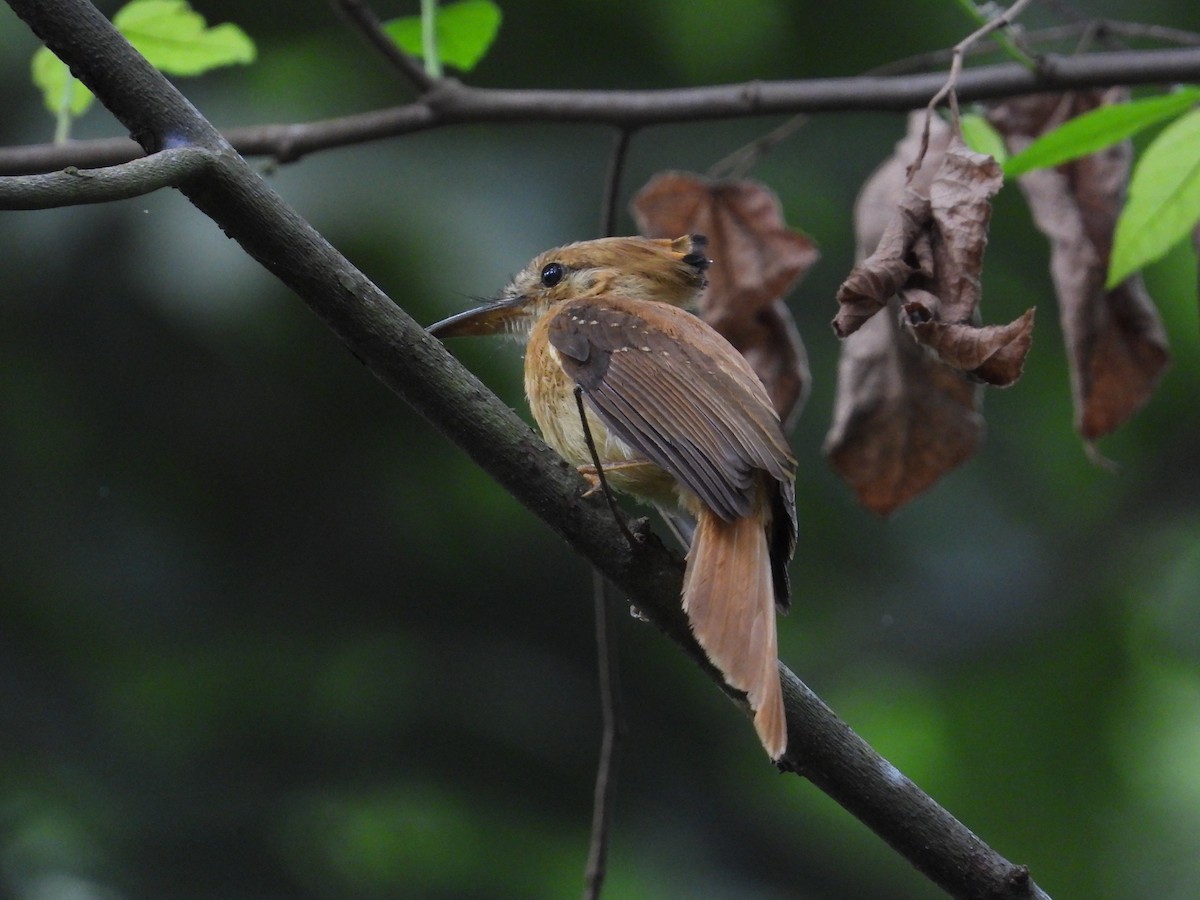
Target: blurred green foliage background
265, 634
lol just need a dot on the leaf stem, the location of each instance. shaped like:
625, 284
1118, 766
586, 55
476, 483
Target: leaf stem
429, 48
62, 118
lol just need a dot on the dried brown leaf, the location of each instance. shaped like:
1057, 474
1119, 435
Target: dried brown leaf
874, 208
901, 420
1125, 358
940, 237
994, 354
1116, 343
757, 260
960, 206
877, 278
906, 412
890, 215
772, 346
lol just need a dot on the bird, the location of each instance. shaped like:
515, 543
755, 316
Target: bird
678, 419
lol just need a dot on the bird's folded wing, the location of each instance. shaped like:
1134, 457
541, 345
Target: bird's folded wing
676, 391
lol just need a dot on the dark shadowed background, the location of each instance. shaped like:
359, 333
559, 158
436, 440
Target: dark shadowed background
265, 634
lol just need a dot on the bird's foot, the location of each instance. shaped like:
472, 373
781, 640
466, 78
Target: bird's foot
592, 477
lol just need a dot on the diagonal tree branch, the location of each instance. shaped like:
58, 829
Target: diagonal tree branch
417, 368
450, 102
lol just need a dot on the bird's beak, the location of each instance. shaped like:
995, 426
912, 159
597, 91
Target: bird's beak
499, 315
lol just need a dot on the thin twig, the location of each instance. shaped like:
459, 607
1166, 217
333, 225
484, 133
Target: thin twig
363, 18
742, 160
1137, 31
923, 62
612, 182
76, 187
739, 163
1004, 40
950, 87
613, 720
591, 445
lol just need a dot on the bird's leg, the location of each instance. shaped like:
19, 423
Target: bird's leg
599, 473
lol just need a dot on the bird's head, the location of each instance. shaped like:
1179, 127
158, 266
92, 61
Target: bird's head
667, 271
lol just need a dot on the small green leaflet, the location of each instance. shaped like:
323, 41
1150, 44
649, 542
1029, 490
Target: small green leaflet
174, 38
1164, 199
980, 136
1098, 129
465, 31
169, 33
62, 93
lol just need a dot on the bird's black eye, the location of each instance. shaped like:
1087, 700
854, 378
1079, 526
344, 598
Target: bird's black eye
552, 274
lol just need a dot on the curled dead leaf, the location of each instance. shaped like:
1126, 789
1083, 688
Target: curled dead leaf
906, 410
960, 208
994, 354
872, 282
934, 242
881, 193
757, 261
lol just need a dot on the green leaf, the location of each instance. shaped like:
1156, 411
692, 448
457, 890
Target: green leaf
465, 31
169, 33
62, 93
1098, 129
980, 136
174, 38
1164, 199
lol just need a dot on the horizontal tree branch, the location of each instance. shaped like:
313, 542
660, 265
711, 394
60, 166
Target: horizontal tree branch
76, 187
450, 102
405, 358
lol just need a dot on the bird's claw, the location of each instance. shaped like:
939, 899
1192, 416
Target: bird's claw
593, 480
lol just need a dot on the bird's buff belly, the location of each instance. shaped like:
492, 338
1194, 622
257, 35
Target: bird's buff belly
551, 396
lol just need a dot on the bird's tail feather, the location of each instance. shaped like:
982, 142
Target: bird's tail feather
729, 598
